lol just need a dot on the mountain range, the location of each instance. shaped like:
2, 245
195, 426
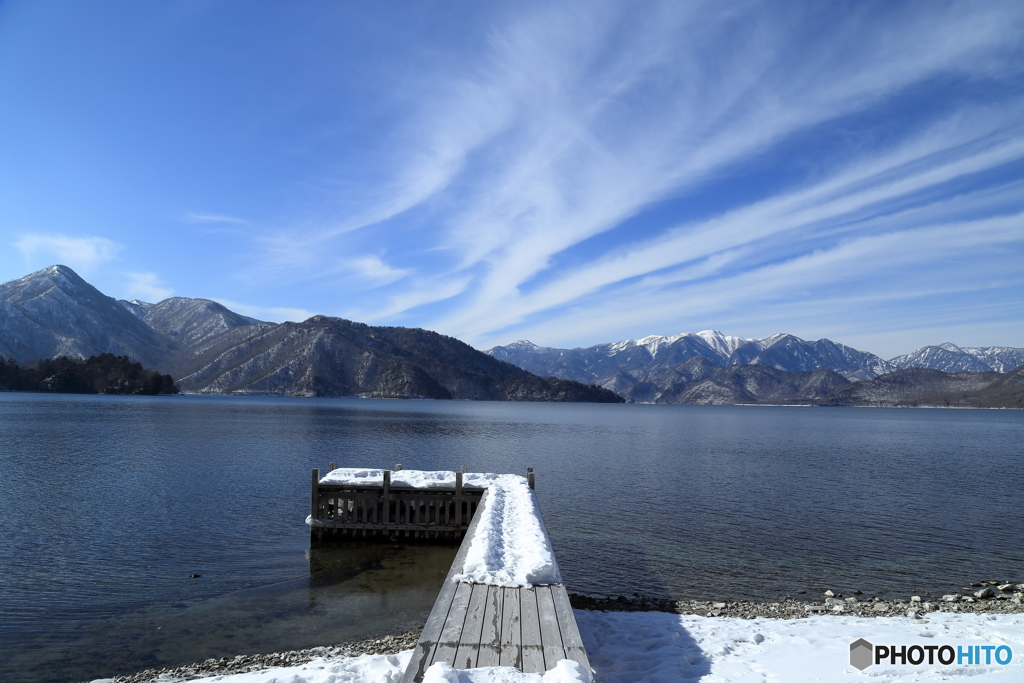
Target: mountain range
664, 368
211, 349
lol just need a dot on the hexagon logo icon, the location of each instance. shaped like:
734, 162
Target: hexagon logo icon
861, 654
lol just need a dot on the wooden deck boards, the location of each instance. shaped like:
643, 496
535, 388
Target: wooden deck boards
475, 625
494, 626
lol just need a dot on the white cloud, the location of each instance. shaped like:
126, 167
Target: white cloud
561, 140
83, 254
147, 287
373, 272
421, 293
709, 246
862, 278
267, 313
526, 166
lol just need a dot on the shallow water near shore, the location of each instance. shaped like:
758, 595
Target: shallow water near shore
109, 504
350, 594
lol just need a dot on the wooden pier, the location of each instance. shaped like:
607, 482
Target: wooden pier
471, 625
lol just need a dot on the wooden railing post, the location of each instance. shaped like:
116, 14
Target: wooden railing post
314, 506
529, 477
386, 494
458, 500
332, 468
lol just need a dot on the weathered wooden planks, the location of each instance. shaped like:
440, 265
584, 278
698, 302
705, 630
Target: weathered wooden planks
472, 629
511, 639
571, 640
472, 625
490, 634
448, 642
533, 646
550, 633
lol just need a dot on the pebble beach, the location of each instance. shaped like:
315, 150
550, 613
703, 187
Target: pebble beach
984, 597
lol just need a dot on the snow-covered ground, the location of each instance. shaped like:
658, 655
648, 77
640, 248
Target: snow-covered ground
656, 647
510, 546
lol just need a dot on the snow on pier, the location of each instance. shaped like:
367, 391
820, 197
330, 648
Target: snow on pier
503, 602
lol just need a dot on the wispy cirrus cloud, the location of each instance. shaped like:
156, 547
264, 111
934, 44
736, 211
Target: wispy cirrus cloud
835, 288
278, 314
780, 226
147, 286
84, 254
213, 218
372, 271
594, 157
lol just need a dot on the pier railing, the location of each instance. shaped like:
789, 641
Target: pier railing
372, 511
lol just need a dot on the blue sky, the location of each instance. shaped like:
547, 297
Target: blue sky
569, 173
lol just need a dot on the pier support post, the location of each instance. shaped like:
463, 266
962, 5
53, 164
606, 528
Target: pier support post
386, 495
314, 504
458, 500
332, 468
315, 498
529, 477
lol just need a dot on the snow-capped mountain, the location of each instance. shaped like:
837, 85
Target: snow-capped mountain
721, 343
652, 368
952, 358
622, 364
792, 354
54, 312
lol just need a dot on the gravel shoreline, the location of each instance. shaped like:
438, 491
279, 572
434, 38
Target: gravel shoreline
989, 597
384, 645
993, 602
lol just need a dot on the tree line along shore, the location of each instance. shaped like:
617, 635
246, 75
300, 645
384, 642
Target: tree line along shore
102, 374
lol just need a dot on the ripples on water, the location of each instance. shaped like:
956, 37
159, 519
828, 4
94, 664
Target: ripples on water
108, 504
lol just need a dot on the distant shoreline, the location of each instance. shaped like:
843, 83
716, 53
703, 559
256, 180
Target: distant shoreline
469, 400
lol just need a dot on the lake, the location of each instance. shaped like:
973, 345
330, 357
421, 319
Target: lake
109, 505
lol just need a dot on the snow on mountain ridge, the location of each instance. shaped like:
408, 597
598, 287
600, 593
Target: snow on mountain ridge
136, 307
724, 344
952, 358
719, 343
523, 345
653, 343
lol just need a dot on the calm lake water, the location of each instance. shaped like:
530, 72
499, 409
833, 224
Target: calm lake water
109, 504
